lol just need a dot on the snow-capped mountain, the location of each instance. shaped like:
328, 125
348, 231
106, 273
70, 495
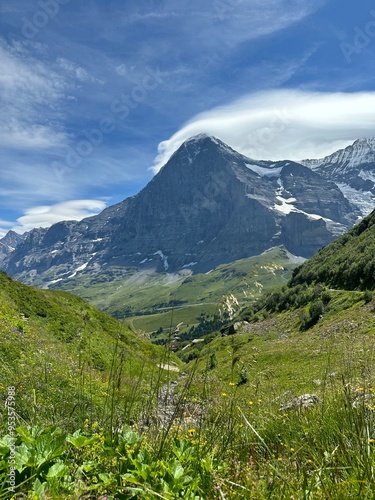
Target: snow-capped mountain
359, 154
353, 170
208, 205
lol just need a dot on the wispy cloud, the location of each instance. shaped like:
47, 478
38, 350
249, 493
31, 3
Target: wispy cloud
45, 216
78, 72
282, 124
58, 87
29, 93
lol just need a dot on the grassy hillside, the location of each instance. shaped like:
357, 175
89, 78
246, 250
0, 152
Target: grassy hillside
235, 430
64, 357
154, 300
251, 381
348, 262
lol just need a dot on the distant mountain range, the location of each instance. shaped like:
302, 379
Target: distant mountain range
9, 243
207, 206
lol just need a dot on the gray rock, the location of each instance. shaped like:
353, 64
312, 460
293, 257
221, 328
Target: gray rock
300, 402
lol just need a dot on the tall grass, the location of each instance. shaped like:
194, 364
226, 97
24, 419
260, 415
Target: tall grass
327, 451
222, 437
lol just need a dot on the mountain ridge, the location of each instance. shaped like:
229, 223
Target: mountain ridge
208, 205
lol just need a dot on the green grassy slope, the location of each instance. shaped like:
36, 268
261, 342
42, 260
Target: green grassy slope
63, 356
239, 432
278, 357
149, 298
348, 262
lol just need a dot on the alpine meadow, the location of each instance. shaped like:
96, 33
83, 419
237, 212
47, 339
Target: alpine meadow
187, 250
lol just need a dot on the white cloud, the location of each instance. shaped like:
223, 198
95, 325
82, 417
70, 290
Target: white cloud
77, 72
45, 216
18, 136
5, 226
230, 20
29, 93
282, 124
255, 18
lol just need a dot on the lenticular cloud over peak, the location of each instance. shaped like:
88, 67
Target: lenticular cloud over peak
282, 124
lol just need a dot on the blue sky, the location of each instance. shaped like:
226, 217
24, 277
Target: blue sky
95, 95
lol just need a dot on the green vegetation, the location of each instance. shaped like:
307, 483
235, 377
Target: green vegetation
232, 433
149, 301
348, 262
279, 405
60, 353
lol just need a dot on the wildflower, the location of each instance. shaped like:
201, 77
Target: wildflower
251, 402
232, 384
291, 449
279, 459
224, 394
361, 389
372, 440
191, 431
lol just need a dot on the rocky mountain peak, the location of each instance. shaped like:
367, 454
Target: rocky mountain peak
200, 144
9, 243
208, 205
12, 239
361, 152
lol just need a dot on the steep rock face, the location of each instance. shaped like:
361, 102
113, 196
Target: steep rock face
298, 233
208, 205
8, 244
204, 205
306, 186
360, 154
353, 170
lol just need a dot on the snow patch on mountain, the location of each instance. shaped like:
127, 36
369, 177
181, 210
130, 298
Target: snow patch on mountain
191, 264
287, 207
367, 176
80, 268
264, 171
365, 201
163, 258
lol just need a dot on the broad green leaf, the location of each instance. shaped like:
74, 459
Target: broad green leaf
57, 470
24, 457
177, 470
39, 489
106, 478
81, 441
